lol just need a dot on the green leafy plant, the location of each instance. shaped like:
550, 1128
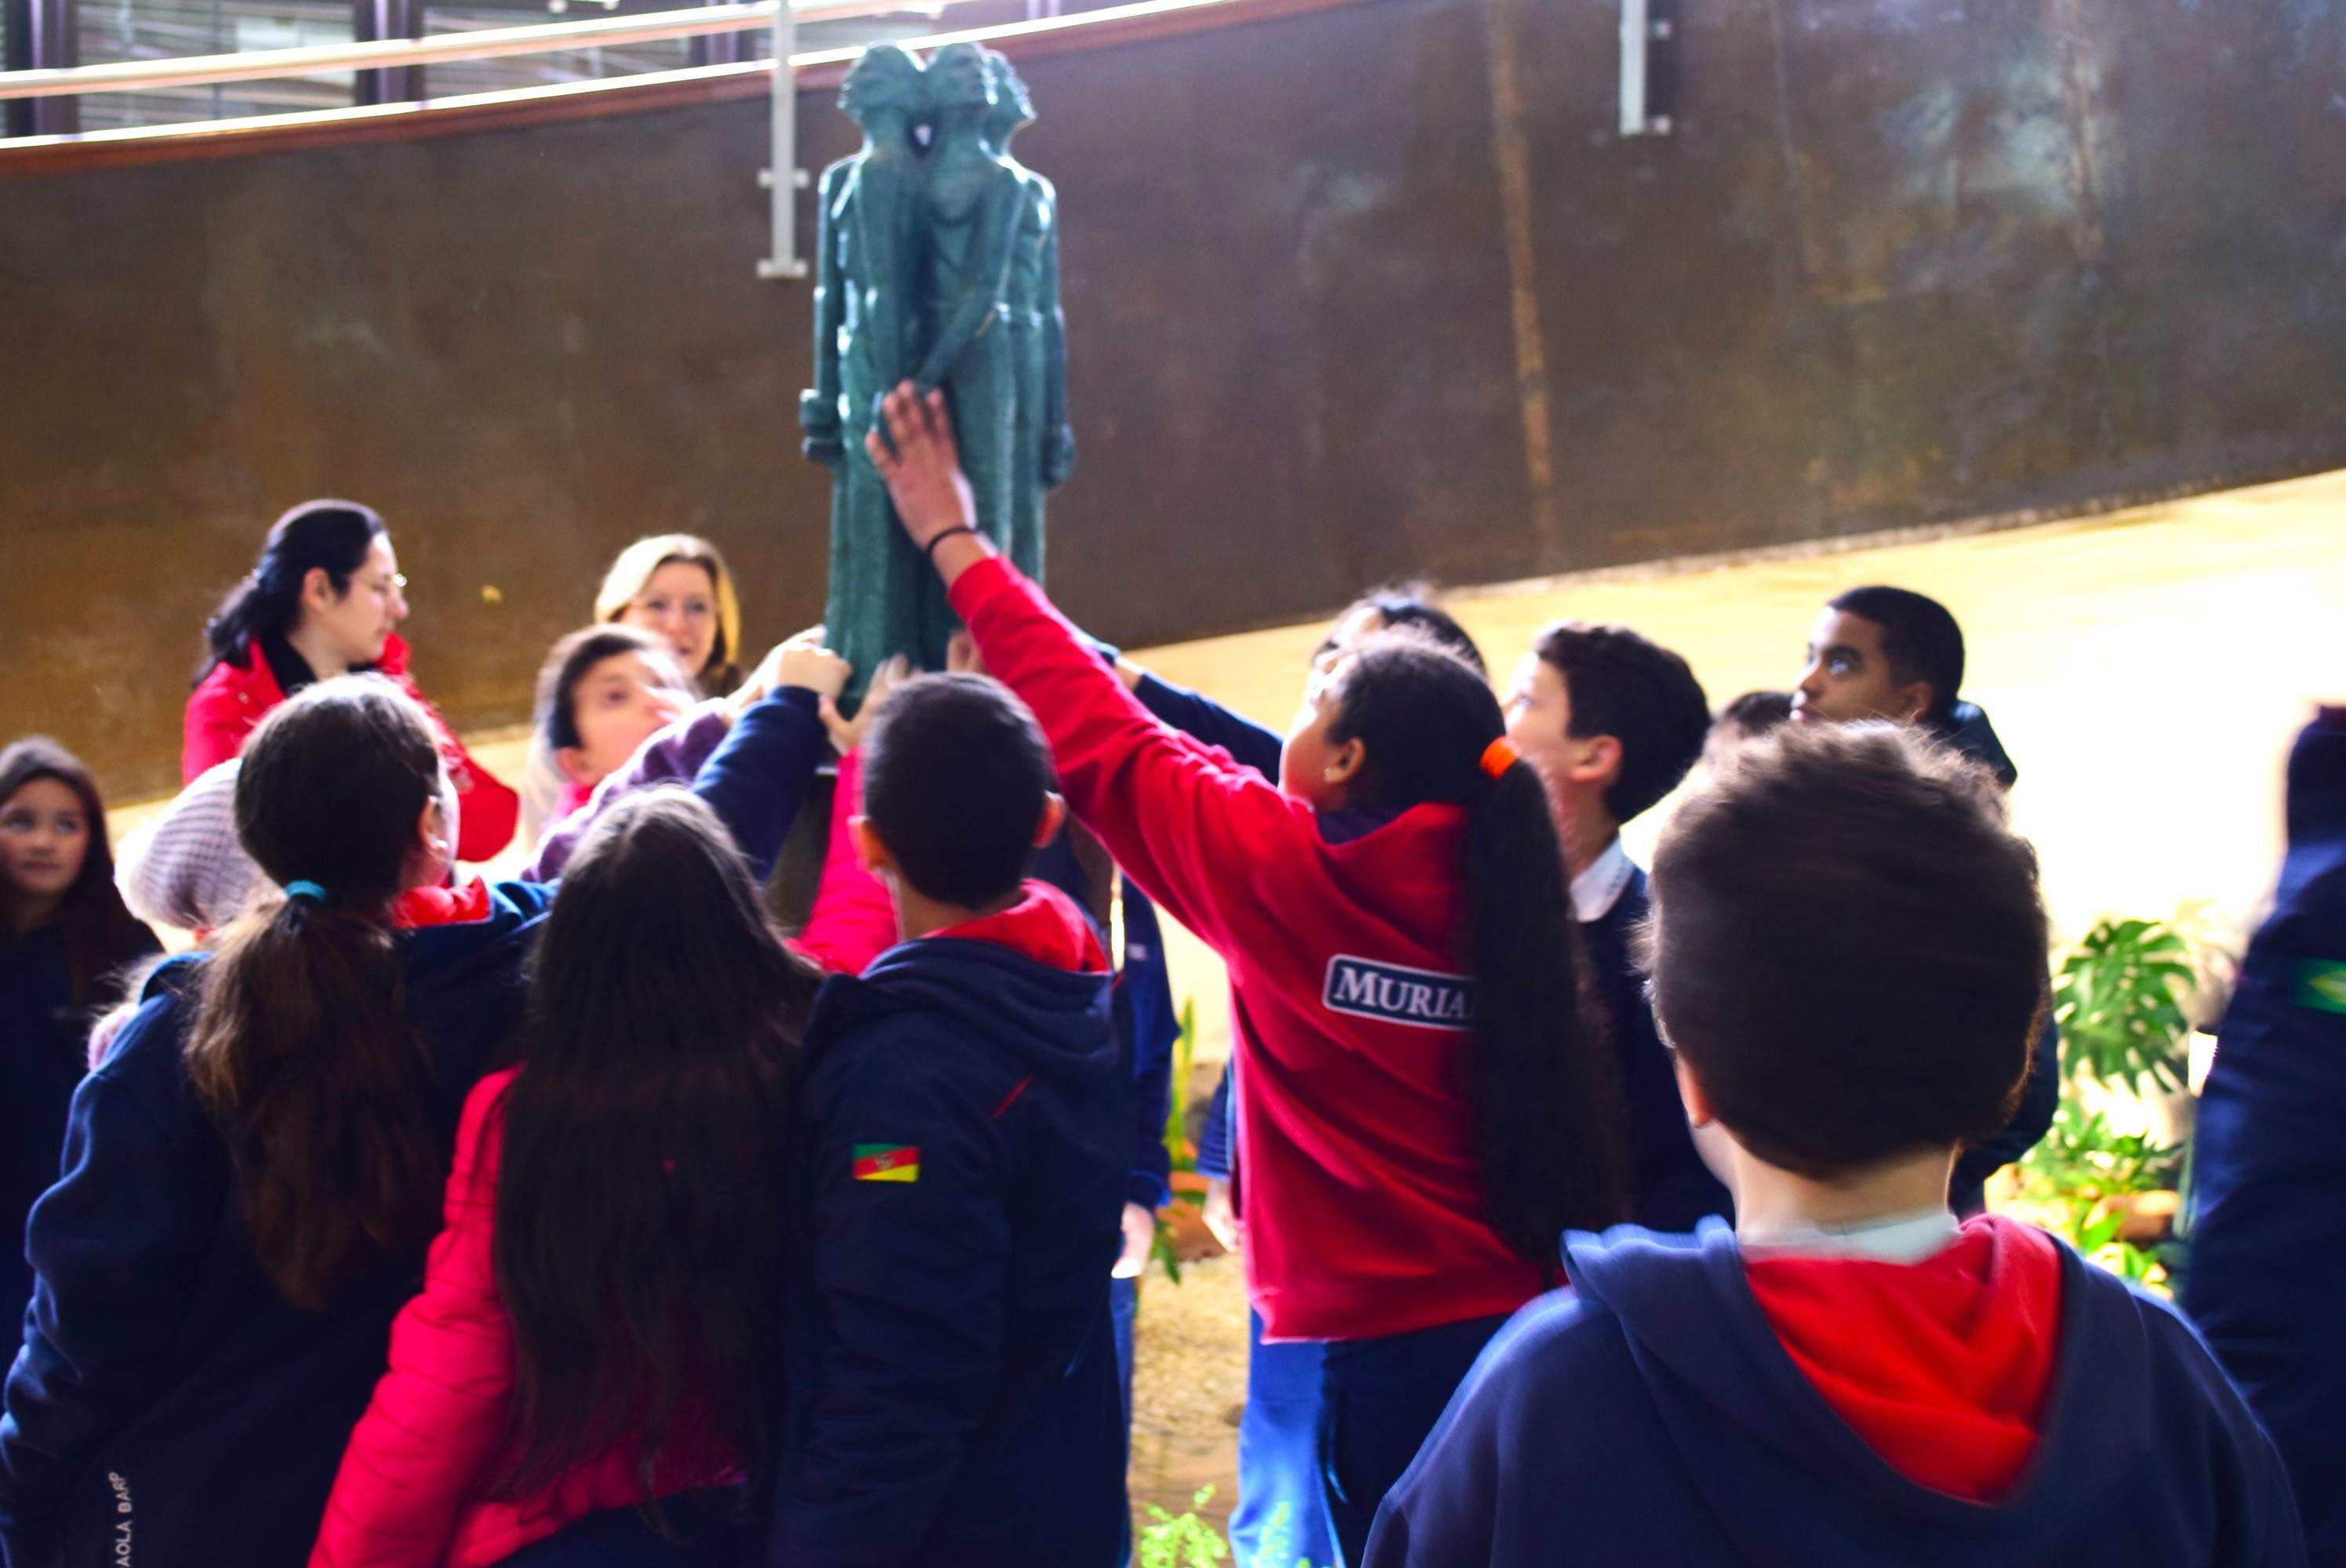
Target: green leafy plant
2118, 998
1177, 1136
2079, 1177
1184, 1541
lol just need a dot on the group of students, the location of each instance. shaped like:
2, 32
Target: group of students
584, 1218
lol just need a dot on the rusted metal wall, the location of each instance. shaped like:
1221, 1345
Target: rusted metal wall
1370, 291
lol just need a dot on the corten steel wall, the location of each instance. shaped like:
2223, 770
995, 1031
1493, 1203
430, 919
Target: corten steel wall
1368, 290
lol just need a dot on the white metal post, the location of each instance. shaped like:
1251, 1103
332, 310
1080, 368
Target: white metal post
783, 178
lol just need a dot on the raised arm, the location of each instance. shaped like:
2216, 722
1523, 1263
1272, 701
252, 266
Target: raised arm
1197, 832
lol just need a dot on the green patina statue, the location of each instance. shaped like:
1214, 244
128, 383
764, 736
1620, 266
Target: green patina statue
867, 339
942, 265
1043, 447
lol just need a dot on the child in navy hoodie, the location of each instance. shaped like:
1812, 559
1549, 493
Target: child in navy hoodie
961, 1148
1613, 722
251, 1175
1421, 1110
1848, 954
2268, 1240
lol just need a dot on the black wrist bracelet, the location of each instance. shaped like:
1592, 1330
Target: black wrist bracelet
928, 554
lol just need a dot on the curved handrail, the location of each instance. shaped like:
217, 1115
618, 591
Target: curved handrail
257, 65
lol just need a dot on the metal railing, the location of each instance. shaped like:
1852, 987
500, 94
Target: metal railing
783, 178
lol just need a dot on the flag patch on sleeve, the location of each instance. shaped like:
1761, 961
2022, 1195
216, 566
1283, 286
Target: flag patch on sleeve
2321, 985
887, 1161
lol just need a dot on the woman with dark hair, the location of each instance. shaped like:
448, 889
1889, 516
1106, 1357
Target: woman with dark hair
253, 1173
326, 599
1422, 1110
64, 936
597, 1327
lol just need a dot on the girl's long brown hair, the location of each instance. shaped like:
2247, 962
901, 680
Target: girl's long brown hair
301, 1052
639, 1193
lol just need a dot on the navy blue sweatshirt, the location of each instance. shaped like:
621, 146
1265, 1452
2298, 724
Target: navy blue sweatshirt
1653, 1416
43, 1049
168, 1408
1145, 1023
2269, 1243
949, 1391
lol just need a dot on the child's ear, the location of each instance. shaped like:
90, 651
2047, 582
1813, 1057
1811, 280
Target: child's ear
1055, 817
572, 760
1345, 761
1697, 1103
1596, 761
871, 853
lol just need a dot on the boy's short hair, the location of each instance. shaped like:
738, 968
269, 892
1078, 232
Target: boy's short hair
1919, 637
1758, 713
1410, 606
1641, 694
957, 775
1847, 948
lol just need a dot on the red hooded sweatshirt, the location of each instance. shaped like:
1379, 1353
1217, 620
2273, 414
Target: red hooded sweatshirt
1941, 1366
1364, 1206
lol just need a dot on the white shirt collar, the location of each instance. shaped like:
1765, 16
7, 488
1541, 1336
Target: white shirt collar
1897, 1239
1595, 890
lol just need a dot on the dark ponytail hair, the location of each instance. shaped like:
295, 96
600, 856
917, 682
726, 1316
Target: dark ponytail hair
301, 1052
100, 934
639, 1193
333, 534
1549, 1127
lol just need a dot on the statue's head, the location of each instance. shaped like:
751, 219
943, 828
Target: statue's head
883, 77
1012, 106
958, 78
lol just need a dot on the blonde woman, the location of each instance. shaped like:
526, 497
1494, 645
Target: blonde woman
678, 585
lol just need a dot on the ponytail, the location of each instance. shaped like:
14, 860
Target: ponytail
1550, 1138
332, 534
301, 1053
303, 1058
1549, 1119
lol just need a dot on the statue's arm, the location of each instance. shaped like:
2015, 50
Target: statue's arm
987, 276
819, 405
891, 233
1058, 435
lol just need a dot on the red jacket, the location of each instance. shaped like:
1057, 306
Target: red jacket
407, 1495
1364, 1210
230, 700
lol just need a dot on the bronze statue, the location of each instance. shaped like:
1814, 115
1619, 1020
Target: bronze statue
871, 213
941, 266
1043, 450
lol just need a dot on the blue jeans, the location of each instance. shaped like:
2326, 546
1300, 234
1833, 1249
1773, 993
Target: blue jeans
1382, 1399
1279, 1458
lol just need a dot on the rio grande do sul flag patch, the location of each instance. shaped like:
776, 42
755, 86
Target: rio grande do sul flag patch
2321, 985
887, 1161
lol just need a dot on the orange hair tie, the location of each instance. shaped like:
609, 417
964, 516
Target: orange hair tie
1498, 757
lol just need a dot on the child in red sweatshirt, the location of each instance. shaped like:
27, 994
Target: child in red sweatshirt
1423, 1112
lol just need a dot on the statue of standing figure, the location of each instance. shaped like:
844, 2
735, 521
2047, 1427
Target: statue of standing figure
942, 267
871, 212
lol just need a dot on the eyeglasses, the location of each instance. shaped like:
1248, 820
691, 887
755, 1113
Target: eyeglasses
385, 587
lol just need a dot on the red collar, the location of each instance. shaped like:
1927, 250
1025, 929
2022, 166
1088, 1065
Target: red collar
1045, 926
420, 907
